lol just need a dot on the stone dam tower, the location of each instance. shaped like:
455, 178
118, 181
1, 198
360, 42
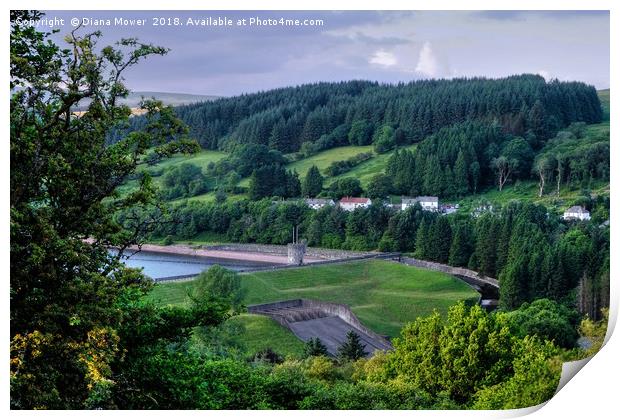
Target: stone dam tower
296, 249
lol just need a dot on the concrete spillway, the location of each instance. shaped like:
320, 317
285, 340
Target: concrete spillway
330, 322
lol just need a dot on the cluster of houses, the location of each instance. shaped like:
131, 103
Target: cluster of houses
346, 203
351, 203
428, 203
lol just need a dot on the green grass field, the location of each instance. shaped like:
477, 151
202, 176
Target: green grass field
201, 159
366, 170
323, 159
384, 295
210, 198
261, 332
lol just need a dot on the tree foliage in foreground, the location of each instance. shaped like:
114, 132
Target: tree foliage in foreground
77, 316
470, 353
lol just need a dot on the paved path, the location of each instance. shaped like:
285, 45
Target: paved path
460, 272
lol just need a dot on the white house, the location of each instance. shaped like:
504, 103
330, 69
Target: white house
427, 203
576, 213
352, 203
319, 203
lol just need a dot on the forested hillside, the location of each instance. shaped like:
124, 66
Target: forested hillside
354, 112
471, 134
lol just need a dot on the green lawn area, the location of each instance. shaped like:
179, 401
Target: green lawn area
323, 159
210, 198
201, 159
261, 332
384, 295
366, 170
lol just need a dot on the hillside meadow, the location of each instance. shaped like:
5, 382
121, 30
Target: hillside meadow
384, 295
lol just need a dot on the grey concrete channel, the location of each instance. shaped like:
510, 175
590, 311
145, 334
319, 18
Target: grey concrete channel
330, 322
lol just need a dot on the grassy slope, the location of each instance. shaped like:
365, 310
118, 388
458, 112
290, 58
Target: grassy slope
382, 294
262, 332
365, 171
201, 159
528, 191
323, 159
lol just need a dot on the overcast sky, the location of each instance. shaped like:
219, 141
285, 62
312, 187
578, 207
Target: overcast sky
383, 46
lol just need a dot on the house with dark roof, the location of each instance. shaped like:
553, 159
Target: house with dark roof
427, 203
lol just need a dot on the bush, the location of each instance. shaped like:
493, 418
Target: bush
546, 319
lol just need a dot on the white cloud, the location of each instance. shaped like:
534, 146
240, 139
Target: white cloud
383, 58
428, 64
545, 74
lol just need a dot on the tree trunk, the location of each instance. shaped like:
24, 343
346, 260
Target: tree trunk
541, 184
559, 179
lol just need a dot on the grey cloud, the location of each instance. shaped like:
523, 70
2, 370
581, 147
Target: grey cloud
233, 60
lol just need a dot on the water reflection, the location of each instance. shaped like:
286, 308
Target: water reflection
161, 265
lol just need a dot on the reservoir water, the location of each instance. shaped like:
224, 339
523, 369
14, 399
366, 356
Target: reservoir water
162, 265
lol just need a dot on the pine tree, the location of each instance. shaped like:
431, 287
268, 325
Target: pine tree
461, 176
293, 186
486, 244
441, 238
313, 182
513, 284
315, 347
462, 246
447, 181
422, 241
352, 348
433, 176
503, 242
474, 174
537, 121
279, 139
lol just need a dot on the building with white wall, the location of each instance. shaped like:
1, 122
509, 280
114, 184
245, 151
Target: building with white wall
352, 203
427, 203
576, 213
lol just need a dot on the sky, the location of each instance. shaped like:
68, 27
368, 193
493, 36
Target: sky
383, 46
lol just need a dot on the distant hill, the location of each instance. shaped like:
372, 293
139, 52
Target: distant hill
168, 98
